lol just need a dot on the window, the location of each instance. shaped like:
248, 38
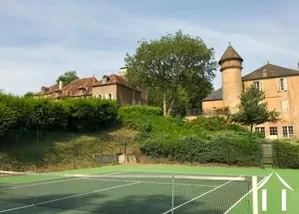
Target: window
288, 131
273, 131
285, 106
257, 84
109, 96
282, 84
260, 130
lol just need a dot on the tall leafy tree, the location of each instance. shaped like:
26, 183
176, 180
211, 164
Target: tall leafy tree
28, 94
7, 118
67, 77
253, 109
173, 62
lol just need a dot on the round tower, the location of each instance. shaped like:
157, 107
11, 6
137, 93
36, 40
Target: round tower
231, 69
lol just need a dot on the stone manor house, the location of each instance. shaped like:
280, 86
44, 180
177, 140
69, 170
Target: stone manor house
279, 84
114, 86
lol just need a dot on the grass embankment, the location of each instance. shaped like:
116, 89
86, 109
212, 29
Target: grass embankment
53, 151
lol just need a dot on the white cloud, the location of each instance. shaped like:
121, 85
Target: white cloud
89, 36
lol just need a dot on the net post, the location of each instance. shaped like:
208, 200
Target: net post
172, 194
255, 195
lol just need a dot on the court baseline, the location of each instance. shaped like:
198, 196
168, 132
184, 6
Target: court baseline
59, 180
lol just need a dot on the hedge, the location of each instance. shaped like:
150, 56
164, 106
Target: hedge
141, 110
221, 147
87, 114
285, 154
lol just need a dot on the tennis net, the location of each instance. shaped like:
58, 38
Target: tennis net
128, 192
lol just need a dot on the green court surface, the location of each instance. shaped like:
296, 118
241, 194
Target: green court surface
144, 189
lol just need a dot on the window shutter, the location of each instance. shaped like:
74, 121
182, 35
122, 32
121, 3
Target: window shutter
285, 106
261, 86
285, 83
278, 85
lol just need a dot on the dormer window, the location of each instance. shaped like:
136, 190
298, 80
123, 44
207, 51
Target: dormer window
81, 89
57, 92
105, 79
44, 89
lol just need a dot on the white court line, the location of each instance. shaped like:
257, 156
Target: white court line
193, 199
235, 204
57, 181
67, 197
151, 182
189, 173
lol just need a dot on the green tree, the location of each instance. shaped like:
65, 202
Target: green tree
7, 118
28, 94
171, 62
67, 77
253, 110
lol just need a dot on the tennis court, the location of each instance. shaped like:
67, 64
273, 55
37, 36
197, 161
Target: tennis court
124, 192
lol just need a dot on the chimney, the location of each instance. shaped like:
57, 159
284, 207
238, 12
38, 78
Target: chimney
60, 85
122, 71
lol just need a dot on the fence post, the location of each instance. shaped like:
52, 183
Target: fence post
228, 153
172, 194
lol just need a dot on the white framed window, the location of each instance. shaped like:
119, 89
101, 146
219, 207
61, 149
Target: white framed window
285, 106
282, 84
273, 131
260, 130
258, 85
288, 131
110, 96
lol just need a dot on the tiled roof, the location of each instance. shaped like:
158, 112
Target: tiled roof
266, 71
79, 87
47, 90
270, 71
113, 79
216, 95
230, 53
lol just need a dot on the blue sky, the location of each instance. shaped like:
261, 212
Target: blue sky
41, 39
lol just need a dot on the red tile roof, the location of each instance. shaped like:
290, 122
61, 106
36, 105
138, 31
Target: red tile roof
113, 79
79, 87
47, 90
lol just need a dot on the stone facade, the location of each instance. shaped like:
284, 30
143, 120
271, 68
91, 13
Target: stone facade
279, 84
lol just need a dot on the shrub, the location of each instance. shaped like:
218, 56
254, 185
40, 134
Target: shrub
216, 124
141, 110
221, 147
285, 154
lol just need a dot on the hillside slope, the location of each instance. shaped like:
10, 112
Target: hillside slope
54, 151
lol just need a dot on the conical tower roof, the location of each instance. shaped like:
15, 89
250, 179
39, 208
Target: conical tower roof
230, 53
